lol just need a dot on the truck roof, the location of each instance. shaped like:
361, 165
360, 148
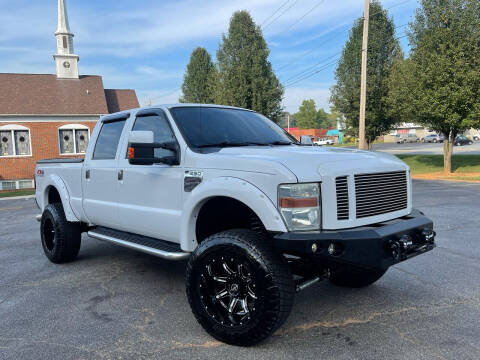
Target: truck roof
169, 106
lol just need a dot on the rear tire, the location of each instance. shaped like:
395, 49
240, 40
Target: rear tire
60, 238
355, 277
239, 287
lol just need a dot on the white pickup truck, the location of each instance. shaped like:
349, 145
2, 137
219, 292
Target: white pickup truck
257, 215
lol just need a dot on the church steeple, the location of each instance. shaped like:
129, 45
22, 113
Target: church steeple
65, 59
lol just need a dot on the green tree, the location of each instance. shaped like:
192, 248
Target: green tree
439, 85
383, 51
199, 81
325, 120
246, 78
307, 115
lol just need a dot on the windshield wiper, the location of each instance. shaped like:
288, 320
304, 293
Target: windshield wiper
280, 143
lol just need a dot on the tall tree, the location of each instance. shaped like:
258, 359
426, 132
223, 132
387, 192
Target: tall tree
246, 78
199, 79
383, 50
307, 115
439, 85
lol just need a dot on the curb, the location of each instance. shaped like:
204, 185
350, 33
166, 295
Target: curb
26, 197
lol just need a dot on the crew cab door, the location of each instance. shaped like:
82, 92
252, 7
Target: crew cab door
100, 175
150, 196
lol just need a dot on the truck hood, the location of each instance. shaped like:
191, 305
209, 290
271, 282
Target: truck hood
311, 163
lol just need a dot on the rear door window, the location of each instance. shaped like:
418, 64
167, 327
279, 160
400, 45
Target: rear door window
108, 139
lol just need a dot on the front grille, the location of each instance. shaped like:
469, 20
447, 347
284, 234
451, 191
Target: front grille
342, 198
380, 193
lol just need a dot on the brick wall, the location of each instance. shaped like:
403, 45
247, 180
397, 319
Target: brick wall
316, 133
44, 140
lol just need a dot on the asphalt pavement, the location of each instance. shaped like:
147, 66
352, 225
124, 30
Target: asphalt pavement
114, 303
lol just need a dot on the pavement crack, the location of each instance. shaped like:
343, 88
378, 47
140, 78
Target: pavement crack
372, 317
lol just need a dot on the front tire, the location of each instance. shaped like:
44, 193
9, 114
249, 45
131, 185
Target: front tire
355, 277
239, 287
60, 238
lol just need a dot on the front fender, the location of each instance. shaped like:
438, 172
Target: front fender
57, 182
234, 188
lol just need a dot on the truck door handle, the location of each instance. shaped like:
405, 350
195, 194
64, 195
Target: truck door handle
120, 175
87, 174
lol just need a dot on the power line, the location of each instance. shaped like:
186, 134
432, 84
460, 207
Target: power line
332, 38
323, 67
309, 51
280, 15
301, 17
394, 5
310, 68
269, 17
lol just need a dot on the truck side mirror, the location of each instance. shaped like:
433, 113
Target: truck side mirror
306, 140
141, 149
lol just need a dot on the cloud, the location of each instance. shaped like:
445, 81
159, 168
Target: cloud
295, 95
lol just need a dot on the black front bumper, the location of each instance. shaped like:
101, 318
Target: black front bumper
376, 246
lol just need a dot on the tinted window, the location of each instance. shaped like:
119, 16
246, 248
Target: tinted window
161, 131
107, 142
204, 125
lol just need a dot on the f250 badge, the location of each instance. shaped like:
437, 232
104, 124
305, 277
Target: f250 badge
192, 179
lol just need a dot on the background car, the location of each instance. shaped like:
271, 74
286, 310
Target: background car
462, 140
325, 141
433, 138
476, 137
406, 138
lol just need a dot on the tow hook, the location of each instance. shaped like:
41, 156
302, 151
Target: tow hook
429, 235
399, 248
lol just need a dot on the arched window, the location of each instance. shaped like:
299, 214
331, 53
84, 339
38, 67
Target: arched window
73, 139
15, 141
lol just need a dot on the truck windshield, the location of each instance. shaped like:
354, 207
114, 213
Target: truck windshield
221, 127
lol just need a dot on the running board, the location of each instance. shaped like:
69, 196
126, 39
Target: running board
160, 248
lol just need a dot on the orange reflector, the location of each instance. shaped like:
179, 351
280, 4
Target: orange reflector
131, 152
289, 202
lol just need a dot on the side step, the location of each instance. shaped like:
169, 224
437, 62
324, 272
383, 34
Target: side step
160, 248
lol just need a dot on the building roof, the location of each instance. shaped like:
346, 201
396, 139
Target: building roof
119, 100
45, 94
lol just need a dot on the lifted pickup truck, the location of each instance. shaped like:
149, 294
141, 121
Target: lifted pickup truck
257, 215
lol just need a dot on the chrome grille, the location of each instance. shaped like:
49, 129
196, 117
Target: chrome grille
380, 193
342, 198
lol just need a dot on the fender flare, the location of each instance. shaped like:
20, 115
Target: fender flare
57, 182
234, 188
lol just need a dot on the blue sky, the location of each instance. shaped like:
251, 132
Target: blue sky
146, 44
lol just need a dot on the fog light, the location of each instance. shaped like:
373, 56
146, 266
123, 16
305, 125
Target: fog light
331, 249
314, 247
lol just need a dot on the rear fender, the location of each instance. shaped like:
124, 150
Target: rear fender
57, 182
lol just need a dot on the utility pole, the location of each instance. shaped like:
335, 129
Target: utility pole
363, 87
288, 122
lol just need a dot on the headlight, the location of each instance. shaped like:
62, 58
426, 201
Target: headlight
299, 205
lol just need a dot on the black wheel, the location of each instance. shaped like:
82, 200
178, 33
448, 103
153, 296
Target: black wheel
355, 277
60, 238
470, 142
435, 141
239, 287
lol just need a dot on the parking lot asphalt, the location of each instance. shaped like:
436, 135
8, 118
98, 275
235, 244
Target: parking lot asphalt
425, 149
114, 303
